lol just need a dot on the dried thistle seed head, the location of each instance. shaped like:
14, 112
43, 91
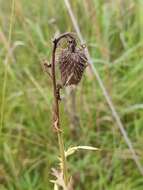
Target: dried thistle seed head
72, 64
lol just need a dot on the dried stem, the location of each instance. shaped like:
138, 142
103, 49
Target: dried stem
56, 107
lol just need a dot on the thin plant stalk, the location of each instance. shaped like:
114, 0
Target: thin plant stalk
56, 109
63, 158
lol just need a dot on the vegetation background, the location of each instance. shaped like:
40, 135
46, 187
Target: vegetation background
113, 31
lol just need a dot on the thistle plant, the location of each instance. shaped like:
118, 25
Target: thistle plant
72, 62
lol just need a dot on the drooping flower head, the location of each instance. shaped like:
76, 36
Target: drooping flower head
72, 63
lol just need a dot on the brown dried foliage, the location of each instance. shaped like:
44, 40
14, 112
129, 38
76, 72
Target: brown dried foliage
72, 62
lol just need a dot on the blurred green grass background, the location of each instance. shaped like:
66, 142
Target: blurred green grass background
113, 30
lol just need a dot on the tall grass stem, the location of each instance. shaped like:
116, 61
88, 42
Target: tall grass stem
6, 68
108, 99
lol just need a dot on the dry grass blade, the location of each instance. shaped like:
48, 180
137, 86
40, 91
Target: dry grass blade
104, 91
72, 150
